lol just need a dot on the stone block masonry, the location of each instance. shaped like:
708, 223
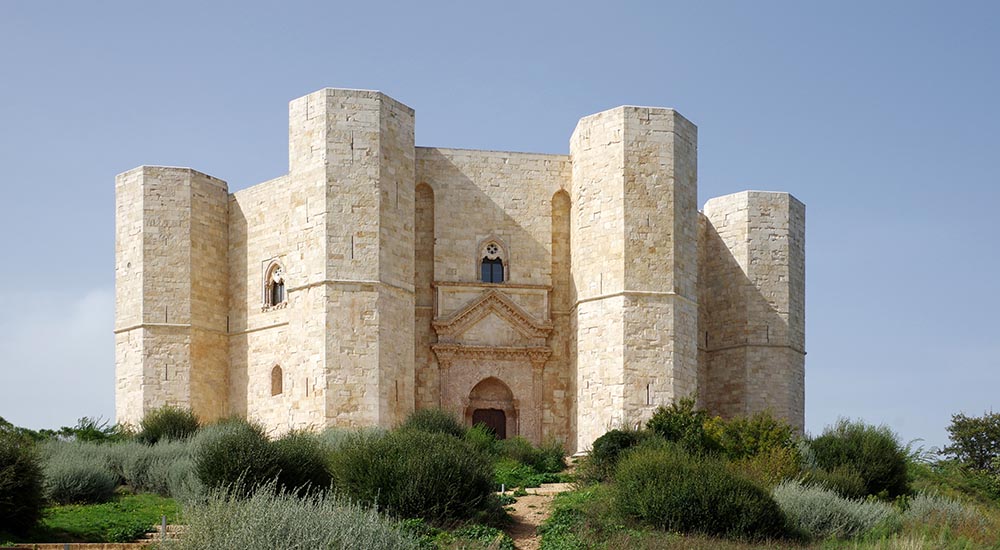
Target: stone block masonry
548, 296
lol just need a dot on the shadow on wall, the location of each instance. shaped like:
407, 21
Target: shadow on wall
750, 356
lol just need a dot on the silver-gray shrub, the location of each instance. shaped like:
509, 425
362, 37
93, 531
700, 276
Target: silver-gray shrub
146, 468
76, 473
275, 519
821, 513
927, 508
165, 468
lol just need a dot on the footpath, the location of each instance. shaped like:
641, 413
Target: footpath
530, 511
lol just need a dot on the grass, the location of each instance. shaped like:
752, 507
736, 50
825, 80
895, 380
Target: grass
122, 520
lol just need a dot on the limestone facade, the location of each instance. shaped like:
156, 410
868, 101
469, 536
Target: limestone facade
549, 296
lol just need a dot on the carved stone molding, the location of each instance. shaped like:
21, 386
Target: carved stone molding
491, 301
449, 353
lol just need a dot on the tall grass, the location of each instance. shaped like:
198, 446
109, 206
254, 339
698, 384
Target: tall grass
270, 518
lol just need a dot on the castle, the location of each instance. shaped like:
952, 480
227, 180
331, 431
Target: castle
547, 296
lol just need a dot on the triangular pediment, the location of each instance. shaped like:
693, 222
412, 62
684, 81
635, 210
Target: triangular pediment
491, 312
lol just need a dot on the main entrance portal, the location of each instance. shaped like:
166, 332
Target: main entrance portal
492, 403
494, 419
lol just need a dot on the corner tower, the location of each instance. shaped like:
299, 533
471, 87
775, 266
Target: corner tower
752, 319
359, 144
634, 238
170, 292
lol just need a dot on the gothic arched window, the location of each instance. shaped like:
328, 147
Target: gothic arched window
274, 285
491, 266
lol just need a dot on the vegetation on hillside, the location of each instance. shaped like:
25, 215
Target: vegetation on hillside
688, 480
430, 483
685, 480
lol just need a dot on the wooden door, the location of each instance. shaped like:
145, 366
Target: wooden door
494, 419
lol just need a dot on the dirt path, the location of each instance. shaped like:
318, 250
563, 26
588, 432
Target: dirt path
530, 511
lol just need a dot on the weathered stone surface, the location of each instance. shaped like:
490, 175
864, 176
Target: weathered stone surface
617, 296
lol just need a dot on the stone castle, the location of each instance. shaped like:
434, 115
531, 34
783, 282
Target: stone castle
547, 296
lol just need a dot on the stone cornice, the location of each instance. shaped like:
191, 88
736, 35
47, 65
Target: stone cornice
447, 353
491, 301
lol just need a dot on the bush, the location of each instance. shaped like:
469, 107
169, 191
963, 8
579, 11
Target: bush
842, 480
234, 452
434, 421
874, 452
668, 489
975, 441
410, 473
167, 423
183, 483
682, 424
770, 467
821, 513
606, 451
21, 484
78, 479
302, 462
551, 457
145, 468
743, 437
483, 440
926, 509
270, 518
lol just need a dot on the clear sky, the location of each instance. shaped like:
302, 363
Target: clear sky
881, 116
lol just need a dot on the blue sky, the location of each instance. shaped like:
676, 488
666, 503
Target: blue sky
882, 117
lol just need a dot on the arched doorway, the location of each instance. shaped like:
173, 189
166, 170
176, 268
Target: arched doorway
492, 403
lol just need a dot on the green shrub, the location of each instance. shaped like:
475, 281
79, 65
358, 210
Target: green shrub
742, 437
434, 421
483, 440
607, 449
519, 449
78, 479
272, 519
302, 463
551, 457
842, 480
768, 468
821, 513
874, 452
411, 473
668, 489
682, 424
168, 423
234, 452
21, 484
